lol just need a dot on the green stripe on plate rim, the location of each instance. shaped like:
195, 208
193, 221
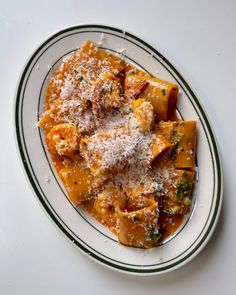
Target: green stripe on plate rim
212, 144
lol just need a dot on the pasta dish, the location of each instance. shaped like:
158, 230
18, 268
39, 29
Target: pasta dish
118, 146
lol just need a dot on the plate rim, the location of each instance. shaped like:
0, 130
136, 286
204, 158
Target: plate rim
31, 181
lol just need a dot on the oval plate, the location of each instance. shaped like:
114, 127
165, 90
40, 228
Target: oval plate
88, 235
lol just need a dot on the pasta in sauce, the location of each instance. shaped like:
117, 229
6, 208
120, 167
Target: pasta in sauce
118, 146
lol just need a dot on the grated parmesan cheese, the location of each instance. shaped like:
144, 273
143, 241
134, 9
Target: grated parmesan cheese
116, 139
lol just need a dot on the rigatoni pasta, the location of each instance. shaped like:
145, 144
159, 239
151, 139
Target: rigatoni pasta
118, 146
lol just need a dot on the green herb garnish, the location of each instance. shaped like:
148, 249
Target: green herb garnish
174, 132
184, 187
175, 144
105, 90
154, 234
163, 92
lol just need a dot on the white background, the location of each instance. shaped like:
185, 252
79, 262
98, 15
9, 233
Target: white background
199, 38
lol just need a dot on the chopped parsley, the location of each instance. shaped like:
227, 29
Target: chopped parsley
174, 132
163, 92
184, 187
154, 234
105, 90
175, 143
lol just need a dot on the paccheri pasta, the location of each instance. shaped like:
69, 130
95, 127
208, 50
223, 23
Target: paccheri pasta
118, 146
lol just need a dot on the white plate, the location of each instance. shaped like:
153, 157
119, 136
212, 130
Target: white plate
86, 234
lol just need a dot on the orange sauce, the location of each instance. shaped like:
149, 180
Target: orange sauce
168, 223
62, 107
109, 219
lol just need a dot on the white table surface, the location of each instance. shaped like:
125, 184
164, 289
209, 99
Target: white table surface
199, 38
